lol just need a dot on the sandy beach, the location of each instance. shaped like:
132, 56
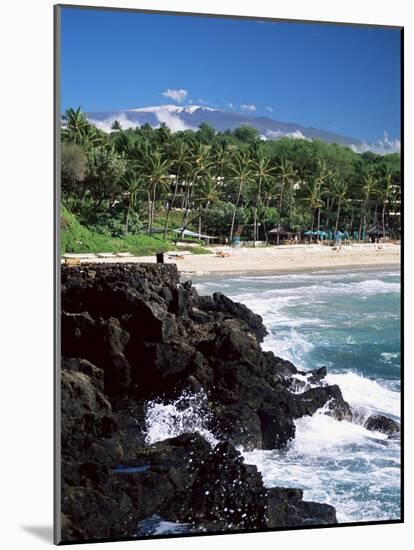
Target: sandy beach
272, 258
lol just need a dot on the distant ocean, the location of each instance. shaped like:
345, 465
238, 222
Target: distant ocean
348, 320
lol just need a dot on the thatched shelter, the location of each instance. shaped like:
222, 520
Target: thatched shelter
282, 232
376, 231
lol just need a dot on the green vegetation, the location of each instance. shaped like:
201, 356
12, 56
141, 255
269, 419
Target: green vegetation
77, 238
128, 190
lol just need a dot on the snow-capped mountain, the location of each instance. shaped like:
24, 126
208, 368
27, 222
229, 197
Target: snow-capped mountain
189, 117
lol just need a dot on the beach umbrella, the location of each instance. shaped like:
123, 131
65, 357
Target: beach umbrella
308, 233
338, 235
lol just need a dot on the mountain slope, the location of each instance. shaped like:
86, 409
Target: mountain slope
190, 117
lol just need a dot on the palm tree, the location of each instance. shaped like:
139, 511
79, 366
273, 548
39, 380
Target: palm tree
384, 194
369, 187
165, 136
285, 172
75, 123
322, 176
199, 164
116, 125
180, 162
78, 130
126, 144
261, 170
208, 193
221, 155
132, 186
339, 190
92, 137
155, 169
269, 193
313, 198
241, 168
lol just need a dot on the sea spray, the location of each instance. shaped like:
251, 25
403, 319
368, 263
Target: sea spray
340, 463
361, 392
188, 413
349, 321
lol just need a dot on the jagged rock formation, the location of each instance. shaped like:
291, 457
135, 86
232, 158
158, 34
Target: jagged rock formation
383, 424
131, 333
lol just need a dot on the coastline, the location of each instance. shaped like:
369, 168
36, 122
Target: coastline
148, 430
270, 259
129, 470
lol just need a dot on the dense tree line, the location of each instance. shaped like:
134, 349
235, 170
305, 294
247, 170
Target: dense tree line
140, 179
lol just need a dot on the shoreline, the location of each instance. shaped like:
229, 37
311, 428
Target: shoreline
271, 259
289, 270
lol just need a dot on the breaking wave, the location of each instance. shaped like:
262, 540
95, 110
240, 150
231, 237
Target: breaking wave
348, 321
187, 414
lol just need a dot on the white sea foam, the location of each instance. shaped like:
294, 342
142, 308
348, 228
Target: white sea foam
321, 434
369, 394
186, 414
293, 346
341, 463
155, 525
388, 357
327, 289
322, 459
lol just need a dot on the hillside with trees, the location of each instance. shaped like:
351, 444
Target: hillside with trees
130, 189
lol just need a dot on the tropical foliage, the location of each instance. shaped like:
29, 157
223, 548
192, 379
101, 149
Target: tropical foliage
148, 181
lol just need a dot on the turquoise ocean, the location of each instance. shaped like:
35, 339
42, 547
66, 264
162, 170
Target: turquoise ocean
349, 321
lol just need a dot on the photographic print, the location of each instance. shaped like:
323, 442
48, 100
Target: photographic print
228, 234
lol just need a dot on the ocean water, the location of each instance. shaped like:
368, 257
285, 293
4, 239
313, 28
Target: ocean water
348, 320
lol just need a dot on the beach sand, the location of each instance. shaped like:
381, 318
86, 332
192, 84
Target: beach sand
271, 258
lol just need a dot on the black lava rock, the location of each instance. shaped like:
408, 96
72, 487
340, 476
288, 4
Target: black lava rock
383, 424
131, 333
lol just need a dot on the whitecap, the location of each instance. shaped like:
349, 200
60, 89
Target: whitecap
187, 414
363, 392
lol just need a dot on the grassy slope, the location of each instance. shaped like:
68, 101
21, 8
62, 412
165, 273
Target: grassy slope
78, 238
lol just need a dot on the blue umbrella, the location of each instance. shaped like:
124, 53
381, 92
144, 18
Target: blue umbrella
310, 233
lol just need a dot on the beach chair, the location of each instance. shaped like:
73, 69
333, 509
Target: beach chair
72, 262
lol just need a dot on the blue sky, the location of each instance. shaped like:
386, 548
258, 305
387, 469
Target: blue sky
339, 78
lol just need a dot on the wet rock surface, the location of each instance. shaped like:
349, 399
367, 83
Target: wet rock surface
383, 424
133, 333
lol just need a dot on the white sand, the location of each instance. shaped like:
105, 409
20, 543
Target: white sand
272, 258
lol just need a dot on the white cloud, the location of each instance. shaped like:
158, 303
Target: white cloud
167, 114
270, 109
231, 105
382, 146
174, 123
247, 107
176, 95
106, 124
278, 134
